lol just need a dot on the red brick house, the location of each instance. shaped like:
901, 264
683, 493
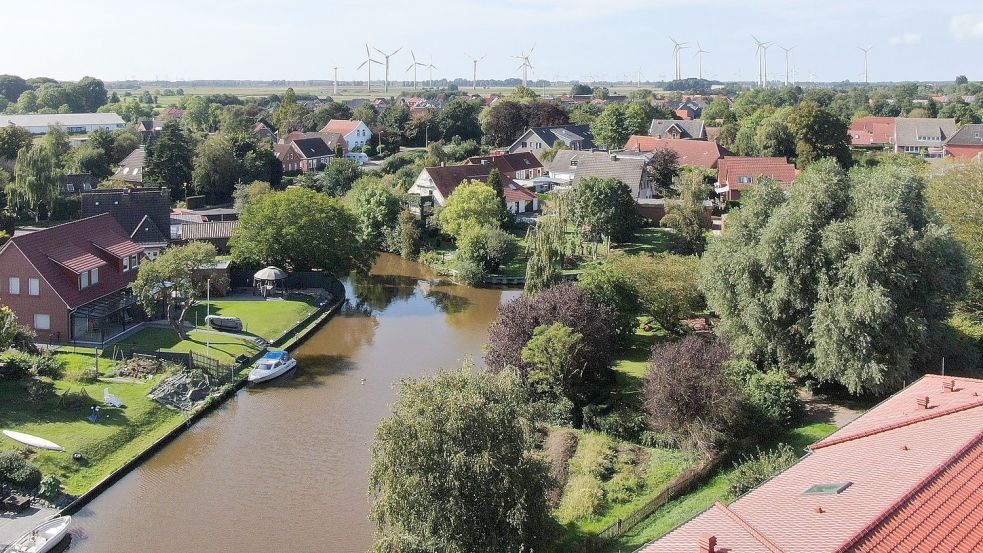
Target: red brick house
693, 153
304, 154
70, 282
520, 165
872, 132
967, 143
737, 173
904, 476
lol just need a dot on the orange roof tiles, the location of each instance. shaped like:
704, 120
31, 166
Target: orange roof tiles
341, 126
870, 131
730, 169
914, 479
697, 153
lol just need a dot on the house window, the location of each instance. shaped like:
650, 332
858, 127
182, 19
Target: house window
522, 145
84, 280
126, 264
14, 285
134, 261
744, 180
94, 276
33, 287
573, 163
42, 321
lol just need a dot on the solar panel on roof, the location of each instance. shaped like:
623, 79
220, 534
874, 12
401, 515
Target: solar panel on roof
827, 489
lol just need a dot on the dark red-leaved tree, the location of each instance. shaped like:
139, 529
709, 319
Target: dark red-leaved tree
689, 396
571, 306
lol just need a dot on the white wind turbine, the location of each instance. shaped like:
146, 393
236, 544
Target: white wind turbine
866, 51
788, 63
526, 65
335, 80
474, 74
431, 67
368, 61
762, 53
676, 49
387, 56
414, 66
699, 54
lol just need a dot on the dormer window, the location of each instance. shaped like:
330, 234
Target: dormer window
573, 163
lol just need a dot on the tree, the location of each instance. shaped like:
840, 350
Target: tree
12, 139
546, 114
471, 204
607, 285
667, 286
486, 247
605, 209
555, 366
570, 306
453, 469
92, 159
664, 167
91, 93
27, 102
339, 176
810, 283
503, 122
58, 145
321, 116
289, 115
581, 89
12, 86
546, 244
261, 164
818, 134
216, 169
392, 124
169, 160
954, 192
367, 114
178, 277
376, 206
617, 123
301, 230
8, 327
495, 181
688, 216
36, 180
246, 194
459, 118
690, 396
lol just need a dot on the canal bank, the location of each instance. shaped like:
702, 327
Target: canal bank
287, 463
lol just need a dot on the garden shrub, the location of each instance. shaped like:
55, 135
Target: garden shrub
625, 484
751, 471
39, 390
50, 487
583, 498
18, 471
595, 456
774, 398
82, 375
470, 273
18, 364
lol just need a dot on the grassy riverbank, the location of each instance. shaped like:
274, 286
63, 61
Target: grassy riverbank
121, 434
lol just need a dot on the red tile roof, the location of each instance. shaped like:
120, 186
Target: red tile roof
697, 153
517, 193
731, 168
509, 163
447, 179
340, 126
869, 131
913, 478
79, 246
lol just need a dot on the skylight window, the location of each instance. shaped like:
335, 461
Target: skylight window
828, 489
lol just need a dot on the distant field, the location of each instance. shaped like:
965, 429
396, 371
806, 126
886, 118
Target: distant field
347, 92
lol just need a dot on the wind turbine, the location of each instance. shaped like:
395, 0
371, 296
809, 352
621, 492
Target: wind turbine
335, 80
368, 61
414, 67
474, 74
699, 54
676, 48
865, 51
762, 53
526, 65
387, 56
431, 67
788, 51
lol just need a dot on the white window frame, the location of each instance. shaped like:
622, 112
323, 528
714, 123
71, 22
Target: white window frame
134, 261
126, 263
33, 287
84, 280
94, 276
37, 321
13, 286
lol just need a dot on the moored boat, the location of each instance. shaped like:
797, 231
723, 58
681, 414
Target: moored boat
273, 364
43, 538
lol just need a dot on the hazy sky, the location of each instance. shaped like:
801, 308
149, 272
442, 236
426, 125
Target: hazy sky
574, 39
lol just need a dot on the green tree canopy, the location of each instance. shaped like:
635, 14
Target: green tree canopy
376, 206
300, 229
847, 279
36, 180
471, 204
169, 160
177, 277
605, 208
453, 469
618, 122
956, 192
216, 169
667, 286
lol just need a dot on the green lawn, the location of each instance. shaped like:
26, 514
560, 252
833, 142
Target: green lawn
106, 445
648, 240
688, 506
218, 346
267, 319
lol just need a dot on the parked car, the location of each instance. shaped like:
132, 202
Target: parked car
357, 157
224, 323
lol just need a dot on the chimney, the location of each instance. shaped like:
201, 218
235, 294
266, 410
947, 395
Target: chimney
614, 157
922, 402
949, 386
707, 543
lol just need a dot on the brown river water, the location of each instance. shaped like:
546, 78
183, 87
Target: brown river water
283, 466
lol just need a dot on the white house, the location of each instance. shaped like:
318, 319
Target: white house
72, 123
356, 133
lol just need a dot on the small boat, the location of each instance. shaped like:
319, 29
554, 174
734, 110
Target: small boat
273, 364
43, 538
32, 441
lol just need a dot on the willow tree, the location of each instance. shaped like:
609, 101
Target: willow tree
846, 280
36, 179
547, 245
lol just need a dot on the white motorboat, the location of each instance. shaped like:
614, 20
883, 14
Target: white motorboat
33, 441
273, 364
43, 538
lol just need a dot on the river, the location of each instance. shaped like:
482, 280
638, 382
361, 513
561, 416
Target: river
283, 466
